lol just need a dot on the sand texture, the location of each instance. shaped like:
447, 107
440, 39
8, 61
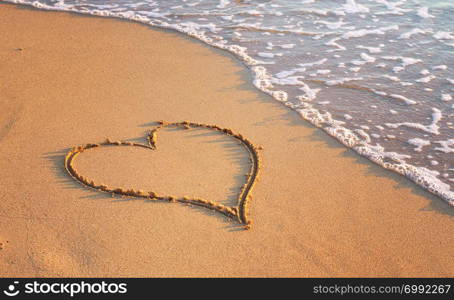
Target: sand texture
318, 209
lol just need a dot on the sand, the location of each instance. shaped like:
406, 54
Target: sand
318, 210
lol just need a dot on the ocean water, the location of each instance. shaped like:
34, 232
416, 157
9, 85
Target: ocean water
378, 75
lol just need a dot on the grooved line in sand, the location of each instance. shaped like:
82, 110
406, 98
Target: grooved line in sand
239, 212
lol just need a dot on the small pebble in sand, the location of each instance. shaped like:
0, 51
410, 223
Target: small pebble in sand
2, 245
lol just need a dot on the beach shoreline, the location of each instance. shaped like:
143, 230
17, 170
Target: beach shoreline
318, 210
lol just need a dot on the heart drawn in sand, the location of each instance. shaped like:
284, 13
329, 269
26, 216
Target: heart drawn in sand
238, 212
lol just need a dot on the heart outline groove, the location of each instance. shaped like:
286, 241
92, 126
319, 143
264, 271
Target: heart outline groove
240, 212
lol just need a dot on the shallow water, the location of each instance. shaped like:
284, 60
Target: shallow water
377, 75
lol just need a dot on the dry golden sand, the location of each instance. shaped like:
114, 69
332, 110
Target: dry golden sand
318, 210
